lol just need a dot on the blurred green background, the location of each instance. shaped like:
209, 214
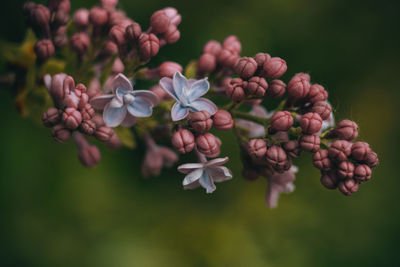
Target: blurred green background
54, 212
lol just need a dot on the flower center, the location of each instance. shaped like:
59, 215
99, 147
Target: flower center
128, 99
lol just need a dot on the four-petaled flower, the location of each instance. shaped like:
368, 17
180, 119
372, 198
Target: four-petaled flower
124, 104
187, 94
280, 183
205, 174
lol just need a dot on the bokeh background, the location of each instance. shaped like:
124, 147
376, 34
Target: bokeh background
54, 212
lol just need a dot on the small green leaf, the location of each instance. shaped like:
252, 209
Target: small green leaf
126, 136
191, 69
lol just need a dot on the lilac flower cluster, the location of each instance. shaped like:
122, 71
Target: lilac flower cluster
110, 54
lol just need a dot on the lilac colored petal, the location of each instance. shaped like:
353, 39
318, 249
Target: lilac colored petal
220, 174
116, 103
191, 186
166, 84
113, 116
119, 93
178, 112
121, 82
206, 182
180, 84
272, 196
198, 89
192, 176
100, 102
140, 107
191, 82
203, 104
260, 111
129, 121
149, 95
188, 167
217, 162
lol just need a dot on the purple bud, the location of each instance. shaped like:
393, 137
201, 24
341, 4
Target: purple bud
89, 155
51, 117
232, 43
172, 34
200, 121
362, 173
261, 58
60, 38
275, 67
277, 89
346, 129
236, 90
345, 170
80, 42
277, 157
44, 49
71, 118
159, 21
321, 160
183, 141
40, 17
227, 58
317, 93
360, 151
160, 92
207, 144
104, 133
246, 67
310, 143
207, 63
257, 148
222, 120
98, 16
166, 69
322, 108
110, 48
329, 180
257, 86
212, 47
281, 121
117, 35
292, 148
87, 112
173, 15
148, 45
81, 18
88, 127
311, 123
60, 133
339, 150
372, 159
109, 4
133, 32
348, 187
299, 85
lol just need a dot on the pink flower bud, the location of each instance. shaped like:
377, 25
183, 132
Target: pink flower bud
281, 121
207, 144
71, 118
87, 112
236, 90
321, 160
81, 18
227, 58
133, 32
40, 17
207, 63
261, 58
372, 159
51, 117
98, 16
109, 4
160, 92
159, 21
212, 47
257, 86
89, 155
88, 127
200, 121
329, 180
346, 129
117, 35
44, 49
360, 151
148, 45
275, 67
345, 170
60, 38
173, 15
60, 133
277, 89
277, 157
183, 141
310, 123
115, 17
257, 148
222, 120
168, 69
322, 108
317, 93
292, 148
339, 150
299, 85
172, 34
80, 42
310, 143
104, 133
61, 17
110, 48
232, 43
246, 67
362, 173
348, 187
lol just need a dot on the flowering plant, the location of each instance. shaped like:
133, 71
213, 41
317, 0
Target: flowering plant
81, 74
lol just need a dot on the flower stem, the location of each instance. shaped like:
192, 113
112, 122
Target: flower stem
249, 117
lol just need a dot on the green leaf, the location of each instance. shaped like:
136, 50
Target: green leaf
126, 136
191, 69
52, 66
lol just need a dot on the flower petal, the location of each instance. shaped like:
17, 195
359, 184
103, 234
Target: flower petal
129, 121
198, 89
178, 112
180, 84
207, 183
191, 186
166, 84
203, 104
116, 103
113, 116
219, 174
151, 97
188, 167
193, 176
100, 102
217, 161
121, 82
140, 107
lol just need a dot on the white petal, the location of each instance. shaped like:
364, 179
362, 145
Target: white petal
203, 104
121, 82
178, 112
217, 161
151, 97
180, 83
166, 84
140, 107
116, 103
207, 183
100, 102
198, 89
219, 174
192, 176
129, 121
191, 186
113, 116
188, 167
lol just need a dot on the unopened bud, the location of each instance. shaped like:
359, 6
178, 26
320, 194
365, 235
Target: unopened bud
346, 129
222, 120
246, 67
44, 49
183, 141
200, 121
257, 148
321, 160
275, 67
281, 121
317, 93
345, 170
362, 173
51, 117
80, 42
236, 90
81, 18
212, 47
292, 148
98, 16
299, 85
311, 123
207, 63
257, 86
276, 89
60, 133
159, 21
339, 150
207, 144
310, 143
348, 187
322, 108
148, 45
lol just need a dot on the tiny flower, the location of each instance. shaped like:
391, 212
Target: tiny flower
51, 117
362, 173
277, 89
232, 43
281, 121
201, 121
98, 16
212, 47
317, 93
257, 148
372, 159
207, 63
44, 49
310, 123
183, 141
133, 32
60, 133
208, 144
346, 129
321, 160
187, 94
246, 67
310, 143
257, 86
274, 67
299, 85
124, 104
205, 174
261, 58
330, 180
360, 150
292, 148
322, 108
149, 45
279, 183
348, 187
345, 169
339, 150
222, 120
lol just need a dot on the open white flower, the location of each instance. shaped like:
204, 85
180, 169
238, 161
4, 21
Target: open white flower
205, 174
